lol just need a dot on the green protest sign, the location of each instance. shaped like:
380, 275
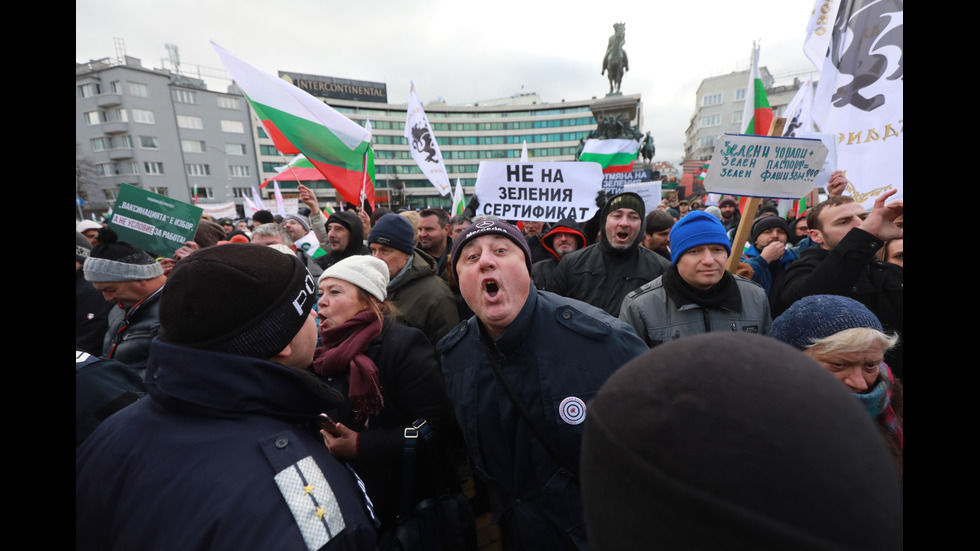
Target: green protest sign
157, 224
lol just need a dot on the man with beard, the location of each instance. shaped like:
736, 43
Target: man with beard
603, 273
730, 216
434, 237
564, 238
341, 235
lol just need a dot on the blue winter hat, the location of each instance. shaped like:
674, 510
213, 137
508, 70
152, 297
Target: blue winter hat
819, 316
395, 231
696, 229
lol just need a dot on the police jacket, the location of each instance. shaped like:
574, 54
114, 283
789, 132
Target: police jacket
222, 454
130, 331
852, 270
659, 316
556, 354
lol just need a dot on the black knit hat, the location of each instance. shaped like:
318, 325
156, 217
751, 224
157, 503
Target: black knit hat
734, 441
489, 226
113, 260
767, 223
263, 217
244, 299
395, 231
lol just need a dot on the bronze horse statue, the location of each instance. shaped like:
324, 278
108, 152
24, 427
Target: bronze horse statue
615, 61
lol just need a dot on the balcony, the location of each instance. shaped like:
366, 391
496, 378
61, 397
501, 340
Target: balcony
115, 127
121, 154
108, 100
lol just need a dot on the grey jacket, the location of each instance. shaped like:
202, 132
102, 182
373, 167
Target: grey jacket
657, 318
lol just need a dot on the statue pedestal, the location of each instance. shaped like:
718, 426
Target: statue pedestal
625, 108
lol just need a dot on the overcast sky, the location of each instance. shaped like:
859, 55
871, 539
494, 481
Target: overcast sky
465, 51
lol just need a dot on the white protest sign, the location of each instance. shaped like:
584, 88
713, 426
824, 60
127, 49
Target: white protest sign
650, 192
544, 192
765, 166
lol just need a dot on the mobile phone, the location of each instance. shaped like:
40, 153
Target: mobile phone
325, 421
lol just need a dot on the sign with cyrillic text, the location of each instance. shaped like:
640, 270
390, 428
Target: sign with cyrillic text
157, 224
765, 166
539, 192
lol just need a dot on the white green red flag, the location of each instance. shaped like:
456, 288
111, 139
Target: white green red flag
337, 146
280, 204
257, 199
613, 155
524, 152
310, 245
300, 169
459, 200
757, 114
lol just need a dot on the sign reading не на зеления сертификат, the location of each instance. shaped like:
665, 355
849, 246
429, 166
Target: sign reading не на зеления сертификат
765, 166
544, 191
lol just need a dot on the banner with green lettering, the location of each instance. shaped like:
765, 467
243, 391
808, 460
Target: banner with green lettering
765, 166
157, 224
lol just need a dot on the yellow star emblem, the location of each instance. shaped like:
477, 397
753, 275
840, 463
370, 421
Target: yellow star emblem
308, 489
320, 511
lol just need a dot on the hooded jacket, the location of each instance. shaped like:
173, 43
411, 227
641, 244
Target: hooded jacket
542, 270
423, 299
353, 224
602, 275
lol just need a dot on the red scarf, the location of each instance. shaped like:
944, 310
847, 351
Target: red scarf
341, 352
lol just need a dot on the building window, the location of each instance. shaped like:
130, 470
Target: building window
261, 132
270, 167
110, 194
712, 99
238, 171
149, 142
204, 192
192, 146
237, 127
138, 89
159, 190
105, 169
235, 148
737, 117
184, 96
268, 150
100, 144
198, 169
116, 87
239, 192
187, 121
707, 141
740, 95
152, 168
94, 117
89, 90
229, 102
124, 142
711, 120
120, 115
143, 116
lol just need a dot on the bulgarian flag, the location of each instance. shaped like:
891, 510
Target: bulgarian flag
299, 123
310, 245
299, 169
756, 115
459, 201
613, 155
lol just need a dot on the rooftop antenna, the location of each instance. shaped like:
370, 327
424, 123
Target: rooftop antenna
120, 49
173, 55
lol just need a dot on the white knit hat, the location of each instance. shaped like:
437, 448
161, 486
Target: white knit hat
366, 272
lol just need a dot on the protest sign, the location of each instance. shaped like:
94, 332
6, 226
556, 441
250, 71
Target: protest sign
650, 192
157, 224
614, 182
220, 210
545, 192
765, 166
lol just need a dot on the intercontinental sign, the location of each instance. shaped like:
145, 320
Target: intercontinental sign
338, 88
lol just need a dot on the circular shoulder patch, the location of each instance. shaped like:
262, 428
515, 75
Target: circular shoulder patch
572, 410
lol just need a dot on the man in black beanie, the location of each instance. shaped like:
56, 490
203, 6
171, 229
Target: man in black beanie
769, 256
737, 442
604, 272
553, 353
133, 280
229, 400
